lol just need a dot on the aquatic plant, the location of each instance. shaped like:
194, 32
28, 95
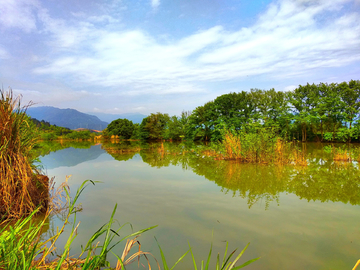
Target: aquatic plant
226, 264
22, 188
21, 246
261, 146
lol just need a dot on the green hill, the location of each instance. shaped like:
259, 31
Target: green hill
69, 118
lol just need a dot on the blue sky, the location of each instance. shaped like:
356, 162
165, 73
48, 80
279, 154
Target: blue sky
167, 56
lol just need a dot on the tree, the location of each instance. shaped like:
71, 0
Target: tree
178, 127
303, 100
123, 128
154, 126
350, 95
202, 121
234, 109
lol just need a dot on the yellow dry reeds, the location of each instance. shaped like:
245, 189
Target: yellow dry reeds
21, 189
342, 156
232, 146
263, 147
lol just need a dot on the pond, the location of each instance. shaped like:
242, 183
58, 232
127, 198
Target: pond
293, 217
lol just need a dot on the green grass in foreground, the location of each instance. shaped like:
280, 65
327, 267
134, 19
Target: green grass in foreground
22, 248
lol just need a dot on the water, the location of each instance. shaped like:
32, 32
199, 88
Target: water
294, 218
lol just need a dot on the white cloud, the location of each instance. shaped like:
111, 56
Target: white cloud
51, 95
19, 14
287, 40
155, 3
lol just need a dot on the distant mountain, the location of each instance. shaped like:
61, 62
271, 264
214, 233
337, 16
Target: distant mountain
134, 117
69, 118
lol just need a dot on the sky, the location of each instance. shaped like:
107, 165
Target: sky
169, 56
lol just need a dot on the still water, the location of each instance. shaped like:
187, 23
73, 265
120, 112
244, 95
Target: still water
293, 217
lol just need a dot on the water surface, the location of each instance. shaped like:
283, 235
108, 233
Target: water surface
293, 217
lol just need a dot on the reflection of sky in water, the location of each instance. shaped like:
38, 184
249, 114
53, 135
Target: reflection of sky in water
71, 157
296, 234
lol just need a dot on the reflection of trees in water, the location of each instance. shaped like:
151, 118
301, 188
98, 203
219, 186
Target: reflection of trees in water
122, 150
249, 181
43, 148
323, 179
335, 182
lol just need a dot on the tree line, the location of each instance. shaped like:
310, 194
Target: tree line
45, 131
322, 112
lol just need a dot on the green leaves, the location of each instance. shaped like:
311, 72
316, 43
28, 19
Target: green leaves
123, 128
226, 263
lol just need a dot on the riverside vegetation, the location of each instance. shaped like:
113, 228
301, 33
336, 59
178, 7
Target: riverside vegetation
250, 127
322, 197
22, 187
335, 180
24, 192
323, 112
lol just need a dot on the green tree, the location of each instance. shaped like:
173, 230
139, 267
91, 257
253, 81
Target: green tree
303, 99
203, 120
234, 109
178, 126
350, 96
272, 108
123, 128
334, 109
154, 126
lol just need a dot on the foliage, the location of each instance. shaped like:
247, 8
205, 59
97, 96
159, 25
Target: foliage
22, 248
49, 132
328, 176
323, 112
258, 144
202, 121
153, 127
22, 189
226, 263
79, 135
120, 127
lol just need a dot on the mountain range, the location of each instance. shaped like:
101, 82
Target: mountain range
74, 119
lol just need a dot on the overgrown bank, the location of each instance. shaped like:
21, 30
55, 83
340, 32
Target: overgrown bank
323, 112
24, 192
22, 187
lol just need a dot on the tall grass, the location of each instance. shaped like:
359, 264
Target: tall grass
21, 246
24, 192
22, 189
262, 146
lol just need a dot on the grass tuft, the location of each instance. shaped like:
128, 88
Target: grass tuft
22, 188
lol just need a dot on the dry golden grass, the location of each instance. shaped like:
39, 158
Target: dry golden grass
21, 189
342, 156
279, 152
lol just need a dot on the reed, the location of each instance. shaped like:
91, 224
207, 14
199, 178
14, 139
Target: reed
21, 246
22, 188
262, 146
226, 263
342, 155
